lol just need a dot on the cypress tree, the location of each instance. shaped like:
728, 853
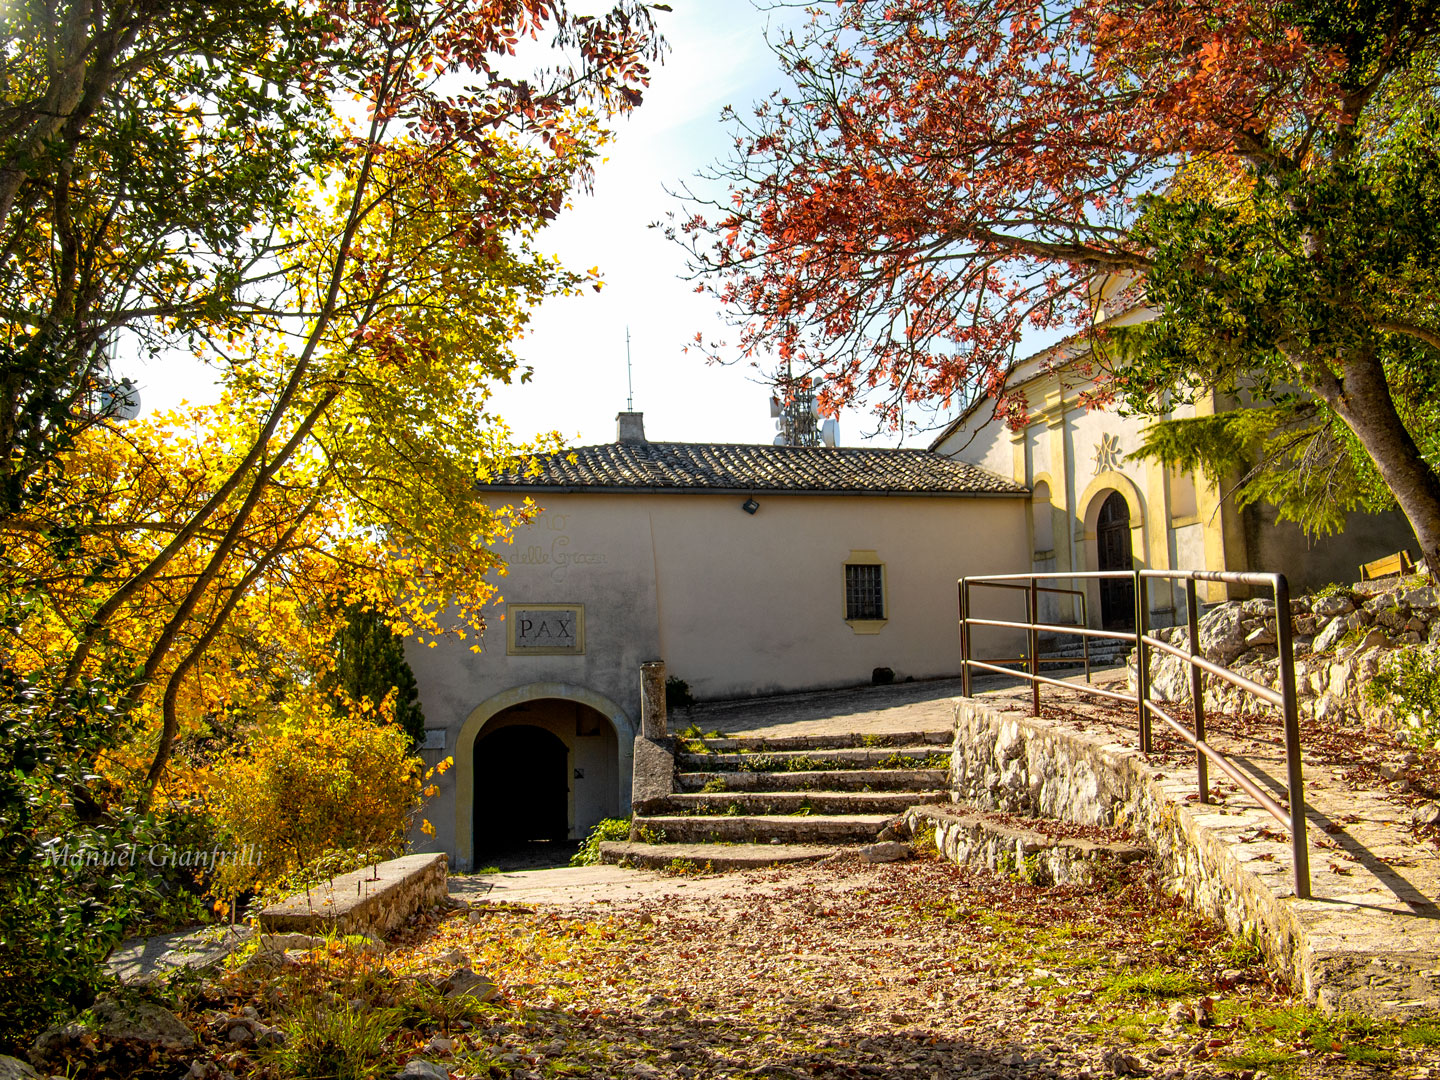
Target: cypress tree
370, 663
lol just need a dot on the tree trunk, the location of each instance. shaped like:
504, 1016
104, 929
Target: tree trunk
1367, 408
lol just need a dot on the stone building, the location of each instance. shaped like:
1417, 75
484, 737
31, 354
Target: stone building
747, 569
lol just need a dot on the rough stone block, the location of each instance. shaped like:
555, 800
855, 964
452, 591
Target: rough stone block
654, 775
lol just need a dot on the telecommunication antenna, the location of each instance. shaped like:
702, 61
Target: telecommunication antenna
629, 374
798, 420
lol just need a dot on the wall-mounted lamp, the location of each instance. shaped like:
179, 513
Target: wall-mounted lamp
750, 506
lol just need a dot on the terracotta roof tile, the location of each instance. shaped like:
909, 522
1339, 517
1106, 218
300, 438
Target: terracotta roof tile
734, 467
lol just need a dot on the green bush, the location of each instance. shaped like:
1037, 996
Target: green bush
608, 829
1409, 683
677, 693
73, 872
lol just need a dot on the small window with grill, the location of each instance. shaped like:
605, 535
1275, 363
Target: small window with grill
864, 591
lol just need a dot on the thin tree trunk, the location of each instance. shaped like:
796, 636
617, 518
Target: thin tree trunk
170, 703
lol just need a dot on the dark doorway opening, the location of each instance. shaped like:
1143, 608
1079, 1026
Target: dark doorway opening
1112, 542
522, 790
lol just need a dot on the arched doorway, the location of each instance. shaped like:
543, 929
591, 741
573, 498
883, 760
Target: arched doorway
1112, 550
598, 733
522, 790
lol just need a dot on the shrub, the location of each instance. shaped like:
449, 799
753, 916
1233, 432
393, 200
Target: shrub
72, 871
331, 1042
312, 781
608, 829
677, 693
1409, 682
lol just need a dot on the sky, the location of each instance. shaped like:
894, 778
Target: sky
576, 345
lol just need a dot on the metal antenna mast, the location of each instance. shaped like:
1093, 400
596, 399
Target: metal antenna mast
629, 374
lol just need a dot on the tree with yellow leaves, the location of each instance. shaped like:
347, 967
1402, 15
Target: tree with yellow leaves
174, 580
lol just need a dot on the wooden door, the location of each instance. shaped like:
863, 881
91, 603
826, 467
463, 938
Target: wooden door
1112, 541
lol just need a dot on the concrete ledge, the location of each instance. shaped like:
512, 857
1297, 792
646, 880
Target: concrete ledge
710, 856
372, 900
975, 838
1355, 946
760, 744
834, 780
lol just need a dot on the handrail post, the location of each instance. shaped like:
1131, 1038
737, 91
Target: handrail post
1285, 646
1197, 689
1034, 646
1142, 663
965, 636
1085, 638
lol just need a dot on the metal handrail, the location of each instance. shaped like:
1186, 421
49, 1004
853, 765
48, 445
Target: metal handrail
1079, 631
1285, 698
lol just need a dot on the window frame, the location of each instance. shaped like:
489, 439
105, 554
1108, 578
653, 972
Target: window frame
868, 559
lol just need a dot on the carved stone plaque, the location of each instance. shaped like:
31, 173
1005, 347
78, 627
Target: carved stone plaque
545, 629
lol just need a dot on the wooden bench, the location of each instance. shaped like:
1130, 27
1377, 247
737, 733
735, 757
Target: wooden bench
1399, 563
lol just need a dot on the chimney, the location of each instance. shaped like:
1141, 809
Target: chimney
630, 428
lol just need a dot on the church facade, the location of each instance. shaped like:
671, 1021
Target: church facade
1093, 506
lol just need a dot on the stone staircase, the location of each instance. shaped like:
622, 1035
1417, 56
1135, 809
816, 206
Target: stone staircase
757, 800
1103, 652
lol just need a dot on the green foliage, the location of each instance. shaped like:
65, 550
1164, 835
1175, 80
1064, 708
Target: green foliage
713, 785
1297, 457
607, 829
677, 693
421, 1003
1409, 682
122, 204
74, 875
1152, 983
649, 834
933, 760
326, 1040
1246, 315
370, 665
923, 841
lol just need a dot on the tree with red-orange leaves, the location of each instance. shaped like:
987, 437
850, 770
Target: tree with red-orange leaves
943, 175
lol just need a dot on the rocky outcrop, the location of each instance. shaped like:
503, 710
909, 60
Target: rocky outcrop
126, 1027
1341, 641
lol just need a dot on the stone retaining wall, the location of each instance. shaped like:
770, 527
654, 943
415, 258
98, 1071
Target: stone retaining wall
1024, 765
373, 900
967, 838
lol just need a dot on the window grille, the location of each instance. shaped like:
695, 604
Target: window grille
864, 591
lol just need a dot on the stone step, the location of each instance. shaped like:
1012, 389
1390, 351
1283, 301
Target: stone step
836, 741
762, 829
821, 780
884, 757
709, 856
1097, 649
793, 802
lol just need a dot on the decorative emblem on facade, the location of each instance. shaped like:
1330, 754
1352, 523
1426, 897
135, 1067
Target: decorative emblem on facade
1107, 454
